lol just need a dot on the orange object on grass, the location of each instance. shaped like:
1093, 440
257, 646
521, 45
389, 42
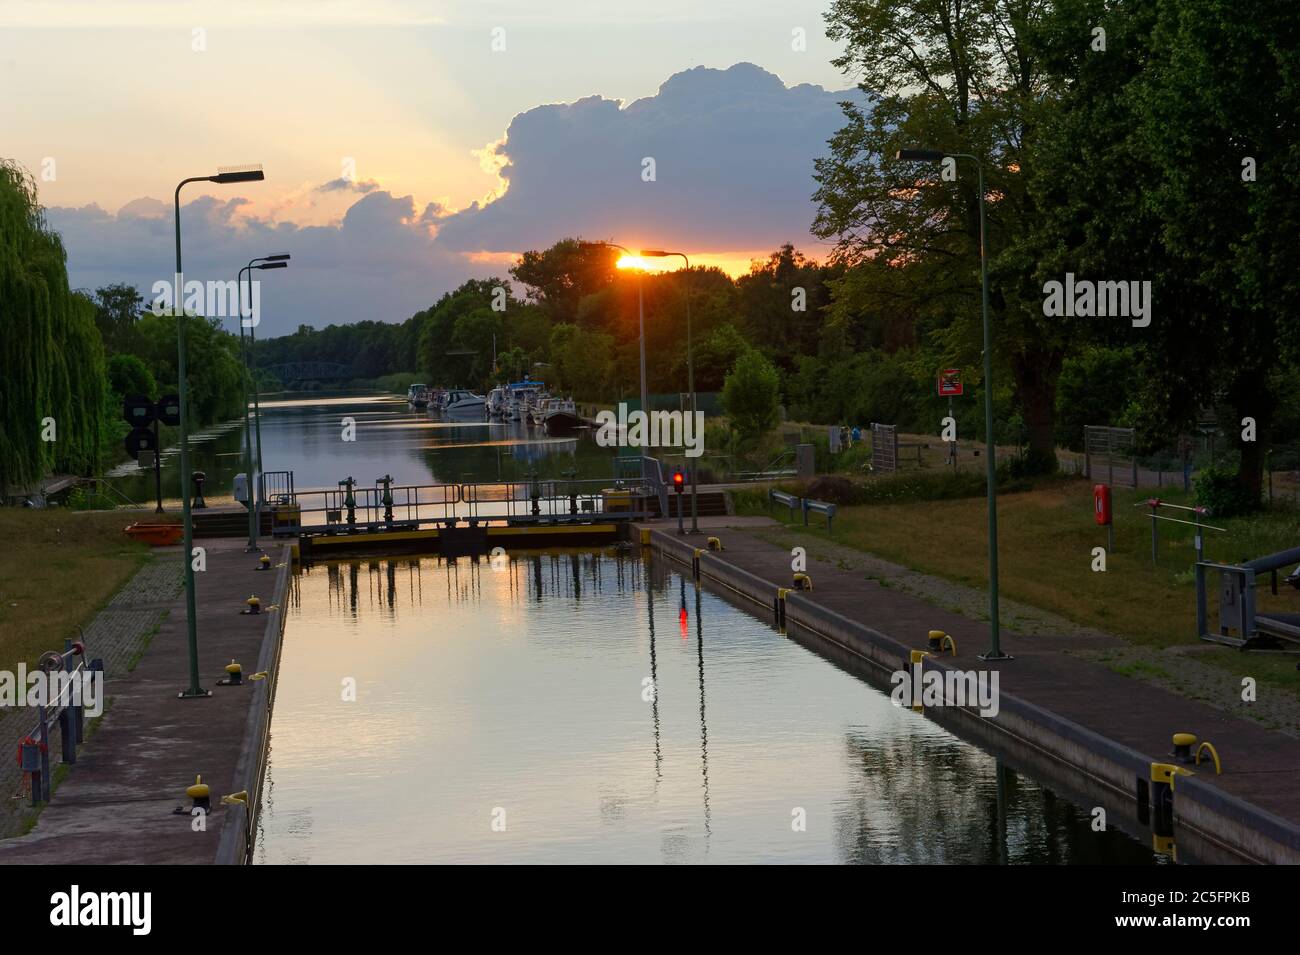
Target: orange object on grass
156, 535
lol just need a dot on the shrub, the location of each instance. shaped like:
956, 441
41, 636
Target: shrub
1217, 489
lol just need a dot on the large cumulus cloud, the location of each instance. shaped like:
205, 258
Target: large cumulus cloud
733, 152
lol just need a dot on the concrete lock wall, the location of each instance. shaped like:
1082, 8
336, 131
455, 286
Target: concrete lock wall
1217, 826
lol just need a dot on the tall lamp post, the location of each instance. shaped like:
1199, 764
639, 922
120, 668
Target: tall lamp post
990, 462
254, 499
224, 175
690, 374
640, 317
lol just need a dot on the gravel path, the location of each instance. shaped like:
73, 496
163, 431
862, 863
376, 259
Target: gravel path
118, 635
1175, 669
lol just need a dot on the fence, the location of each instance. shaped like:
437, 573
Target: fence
884, 447
534, 500
67, 709
1108, 453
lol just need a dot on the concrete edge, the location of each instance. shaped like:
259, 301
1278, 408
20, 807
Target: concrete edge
1220, 818
239, 827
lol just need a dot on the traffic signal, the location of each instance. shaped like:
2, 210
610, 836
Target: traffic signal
679, 482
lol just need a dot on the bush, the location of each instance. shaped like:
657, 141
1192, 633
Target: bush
1217, 489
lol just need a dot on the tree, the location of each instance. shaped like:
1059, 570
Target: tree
51, 355
127, 375
751, 396
117, 309
958, 76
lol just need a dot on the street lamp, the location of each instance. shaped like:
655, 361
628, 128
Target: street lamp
690, 374
640, 302
990, 462
224, 175
254, 500
640, 318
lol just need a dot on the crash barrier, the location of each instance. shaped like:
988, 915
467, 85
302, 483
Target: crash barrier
806, 505
65, 708
790, 501
820, 507
1240, 625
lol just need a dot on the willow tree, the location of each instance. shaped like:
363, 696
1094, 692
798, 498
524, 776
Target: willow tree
52, 373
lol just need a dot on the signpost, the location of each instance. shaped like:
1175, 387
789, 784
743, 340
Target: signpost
142, 443
950, 387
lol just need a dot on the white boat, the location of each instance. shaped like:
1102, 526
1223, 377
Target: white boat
463, 404
537, 409
518, 396
418, 396
495, 405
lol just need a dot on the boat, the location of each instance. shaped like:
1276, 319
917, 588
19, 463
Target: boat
463, 404
562, 417
519, 395
155, 535
495, 404
418, 396
537, 408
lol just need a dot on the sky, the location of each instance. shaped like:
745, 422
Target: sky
408, 146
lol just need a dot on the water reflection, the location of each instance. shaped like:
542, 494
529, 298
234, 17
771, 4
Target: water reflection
519, 686
306, 435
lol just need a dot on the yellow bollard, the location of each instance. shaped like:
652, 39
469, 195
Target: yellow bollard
715, 544
1183, 743
802, 582
200, 793
234, 675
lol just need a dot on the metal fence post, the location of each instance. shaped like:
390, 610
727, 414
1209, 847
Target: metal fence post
44, 781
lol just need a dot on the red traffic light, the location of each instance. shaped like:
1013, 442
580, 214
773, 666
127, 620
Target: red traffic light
679, 481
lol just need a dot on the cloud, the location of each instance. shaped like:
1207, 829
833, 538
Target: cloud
733, 152
362, 186
380, 261
733, 155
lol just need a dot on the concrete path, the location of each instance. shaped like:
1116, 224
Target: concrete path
115, 806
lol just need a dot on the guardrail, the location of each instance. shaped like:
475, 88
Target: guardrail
821, 507
67, 710
786, 500
388, 506
805, 504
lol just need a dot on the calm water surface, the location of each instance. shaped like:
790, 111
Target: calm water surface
305, 434
518, 694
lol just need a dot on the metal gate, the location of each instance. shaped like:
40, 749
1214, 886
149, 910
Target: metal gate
1108, 455
884, 447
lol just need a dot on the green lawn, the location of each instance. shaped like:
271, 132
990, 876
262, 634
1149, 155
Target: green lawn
1045, 542
57, 569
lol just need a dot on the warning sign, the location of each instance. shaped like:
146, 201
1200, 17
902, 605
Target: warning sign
950, 382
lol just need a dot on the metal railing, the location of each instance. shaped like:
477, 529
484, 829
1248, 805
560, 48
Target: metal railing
67, 710
533, 500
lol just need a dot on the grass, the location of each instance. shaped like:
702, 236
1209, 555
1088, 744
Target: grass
58, 569
1045, 541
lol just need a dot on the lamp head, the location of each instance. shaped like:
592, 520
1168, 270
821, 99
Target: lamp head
919, 155
227, 174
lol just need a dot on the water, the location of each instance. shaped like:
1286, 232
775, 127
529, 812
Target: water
517, 694
306, 435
